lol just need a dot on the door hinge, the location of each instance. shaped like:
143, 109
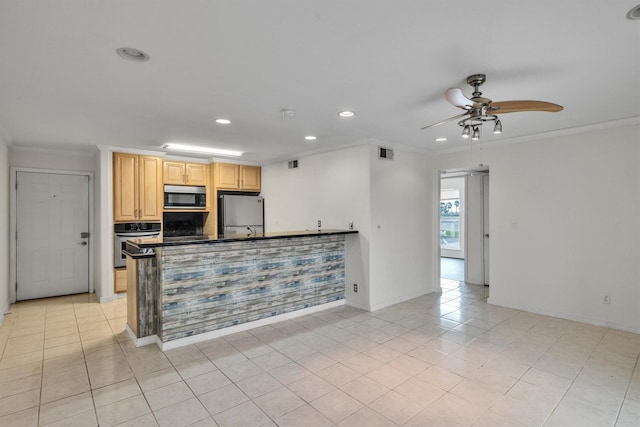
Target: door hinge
16, 184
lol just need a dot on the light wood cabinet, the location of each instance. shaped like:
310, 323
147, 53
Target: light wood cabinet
250, 178
226, 176
180, 173
236, 177
120, 275
137, 188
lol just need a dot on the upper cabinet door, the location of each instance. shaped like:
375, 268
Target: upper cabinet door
125, 187
226, 176
174, 173
250, 178
151, 195
196, 174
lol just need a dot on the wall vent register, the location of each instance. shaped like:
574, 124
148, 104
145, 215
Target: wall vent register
385, 153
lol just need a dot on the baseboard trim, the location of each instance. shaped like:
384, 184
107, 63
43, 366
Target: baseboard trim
107, 299
141, 342
5, 310
403, 298
565, 316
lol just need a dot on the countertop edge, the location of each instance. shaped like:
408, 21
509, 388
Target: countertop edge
140, 243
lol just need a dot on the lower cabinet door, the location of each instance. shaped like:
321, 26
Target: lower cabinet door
120, 280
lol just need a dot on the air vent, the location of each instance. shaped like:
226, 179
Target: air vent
385, 153
293, 164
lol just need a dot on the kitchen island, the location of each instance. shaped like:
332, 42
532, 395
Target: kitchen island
188, 289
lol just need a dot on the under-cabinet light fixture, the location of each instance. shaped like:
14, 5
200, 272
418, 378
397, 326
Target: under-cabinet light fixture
203, 150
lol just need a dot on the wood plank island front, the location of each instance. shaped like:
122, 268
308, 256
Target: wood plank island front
182, 290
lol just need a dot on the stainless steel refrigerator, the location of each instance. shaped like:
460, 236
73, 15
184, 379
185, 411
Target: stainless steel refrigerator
240, 214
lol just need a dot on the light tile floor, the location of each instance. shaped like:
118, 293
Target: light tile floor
437, 360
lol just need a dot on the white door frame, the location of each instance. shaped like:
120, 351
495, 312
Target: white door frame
13, 223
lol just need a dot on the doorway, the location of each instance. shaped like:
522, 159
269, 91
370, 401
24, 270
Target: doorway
51, 225
452, 227
464, 213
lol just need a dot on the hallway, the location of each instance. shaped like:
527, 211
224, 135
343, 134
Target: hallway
452, 269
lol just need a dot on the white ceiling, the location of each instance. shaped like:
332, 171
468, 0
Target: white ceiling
63, 86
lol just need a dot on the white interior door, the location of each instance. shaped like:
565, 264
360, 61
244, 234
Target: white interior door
52, 256
476, 260
485, 216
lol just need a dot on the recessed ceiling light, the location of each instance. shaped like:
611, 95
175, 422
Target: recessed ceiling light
634, 13
132, 54
310, 138
223, 121
203, 150
346, 114
441, 139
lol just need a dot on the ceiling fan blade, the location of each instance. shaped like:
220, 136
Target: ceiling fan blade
502, 107
459, 116
457, 98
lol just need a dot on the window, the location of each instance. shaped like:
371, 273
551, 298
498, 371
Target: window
450, 219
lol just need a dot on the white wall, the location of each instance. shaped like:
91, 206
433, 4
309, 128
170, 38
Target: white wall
103, 275
393, 261
565, 225
402, 211
334, 188
4, 228
51, 160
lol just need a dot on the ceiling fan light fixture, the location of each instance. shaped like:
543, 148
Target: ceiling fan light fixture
634, 13
132, 54
466, 131
497, 128
476, 133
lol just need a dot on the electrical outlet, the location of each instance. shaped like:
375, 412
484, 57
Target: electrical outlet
355, 287
606, 298
319, 223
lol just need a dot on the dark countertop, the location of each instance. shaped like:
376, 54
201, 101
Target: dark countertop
159, 242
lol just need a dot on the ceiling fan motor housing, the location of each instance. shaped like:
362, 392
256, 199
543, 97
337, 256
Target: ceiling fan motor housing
475, 81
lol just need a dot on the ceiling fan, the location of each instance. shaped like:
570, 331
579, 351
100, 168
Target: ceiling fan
479, 110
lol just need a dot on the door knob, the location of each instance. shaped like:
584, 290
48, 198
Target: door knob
83, 243
486, 235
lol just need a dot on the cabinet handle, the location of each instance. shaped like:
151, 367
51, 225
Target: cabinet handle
186, 179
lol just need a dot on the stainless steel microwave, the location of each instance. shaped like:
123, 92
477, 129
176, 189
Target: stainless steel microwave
185, 197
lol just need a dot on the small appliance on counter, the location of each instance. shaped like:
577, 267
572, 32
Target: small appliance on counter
240, 214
